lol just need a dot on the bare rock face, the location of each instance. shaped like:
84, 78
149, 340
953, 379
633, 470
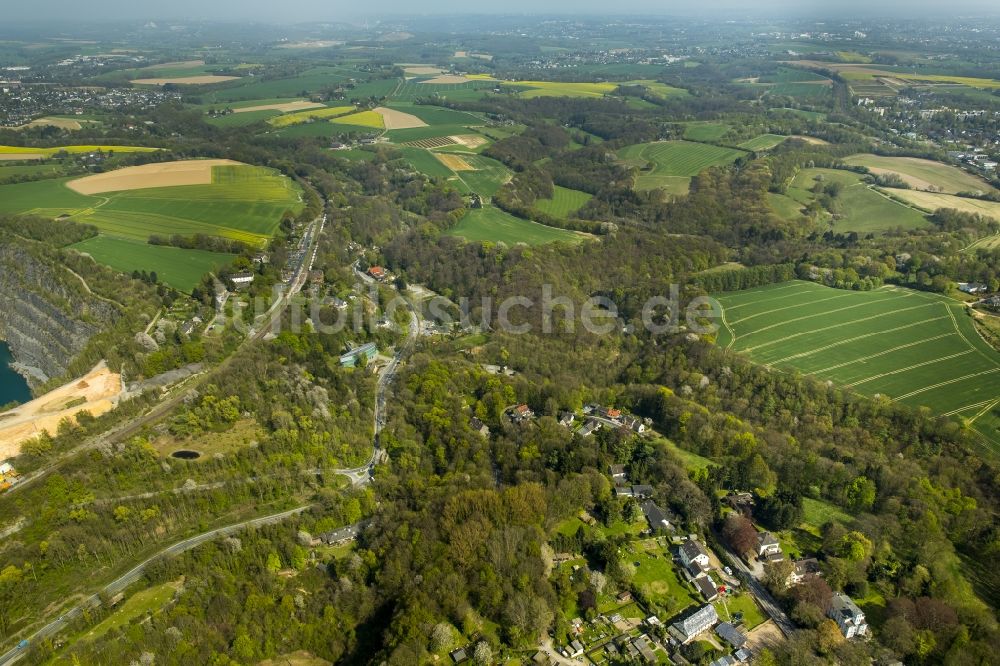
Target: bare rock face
46, 315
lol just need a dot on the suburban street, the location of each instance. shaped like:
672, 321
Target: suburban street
134, 574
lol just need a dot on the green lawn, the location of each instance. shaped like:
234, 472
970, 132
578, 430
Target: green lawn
705, 131
742, 603
179, 268
916, 348
492, 224
564, 202
858, 207
658, 579
670, 164
692, 461
819, 512
145, 601
763, 142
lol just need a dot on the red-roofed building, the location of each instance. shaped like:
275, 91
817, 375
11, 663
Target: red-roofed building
377, 272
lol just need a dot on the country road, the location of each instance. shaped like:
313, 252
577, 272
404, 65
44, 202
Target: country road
361, 475
135, 573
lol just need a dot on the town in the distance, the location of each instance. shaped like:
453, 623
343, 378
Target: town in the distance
499, 338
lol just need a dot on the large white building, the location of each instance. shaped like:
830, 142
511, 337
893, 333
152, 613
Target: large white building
848, 616
701, 620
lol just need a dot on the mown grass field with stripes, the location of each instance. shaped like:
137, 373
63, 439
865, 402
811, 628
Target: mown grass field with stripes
916, 348
564, 202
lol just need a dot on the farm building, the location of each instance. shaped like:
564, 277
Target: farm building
972, 287
241, 279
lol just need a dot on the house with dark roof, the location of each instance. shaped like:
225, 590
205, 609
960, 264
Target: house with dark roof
729, 633
692, 551
479, 426
803, 569
655, 516
642, 491
590, 427
617, 472
707, 587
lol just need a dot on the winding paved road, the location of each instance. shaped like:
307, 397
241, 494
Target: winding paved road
135, 573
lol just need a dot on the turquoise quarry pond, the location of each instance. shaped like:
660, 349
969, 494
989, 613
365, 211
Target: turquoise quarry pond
12, 385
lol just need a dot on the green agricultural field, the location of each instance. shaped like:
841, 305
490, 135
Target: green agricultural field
859, 208
243, 203
311, 115
311, 80
50, 169
430, 132
437, 115
425, 162
923, 174
808, 115
671, 164
763, 142
705, 131
409, 91
812, 91
564, 202
179, 268
487, 178
915, 348
242, 119
492, 224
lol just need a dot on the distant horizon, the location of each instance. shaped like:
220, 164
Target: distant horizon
297, 12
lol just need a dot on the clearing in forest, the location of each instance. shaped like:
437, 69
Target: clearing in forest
912, 347
671, 164
923, 174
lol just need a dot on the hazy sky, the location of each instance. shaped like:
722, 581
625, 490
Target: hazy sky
298, 11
